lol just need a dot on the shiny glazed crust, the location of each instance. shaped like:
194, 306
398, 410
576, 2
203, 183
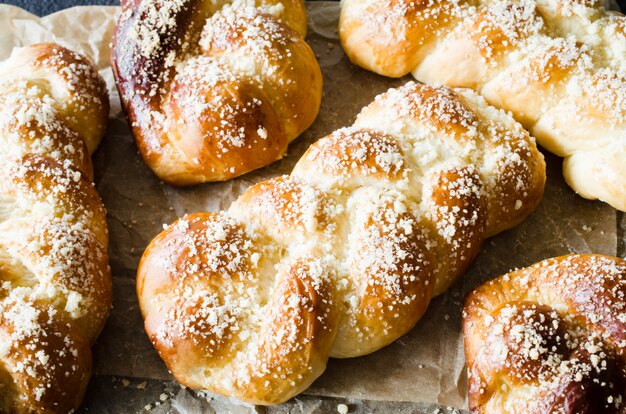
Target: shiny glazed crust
55, 290
550, 338
343, 256
214, 89
557, 65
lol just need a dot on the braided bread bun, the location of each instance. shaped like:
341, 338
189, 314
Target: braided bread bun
550, 338
557, 65
342, 257
215, 88
55, 292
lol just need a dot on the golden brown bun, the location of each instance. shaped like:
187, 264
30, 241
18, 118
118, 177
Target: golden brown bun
214, 89
558, 65
550, 338
343, 256
55, 290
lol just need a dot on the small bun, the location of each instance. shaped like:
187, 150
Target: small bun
215, 89
549, 338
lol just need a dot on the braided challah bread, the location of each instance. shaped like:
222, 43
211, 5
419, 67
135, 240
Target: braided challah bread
55, 290
558, 65
550, 338
343, 256
215, 88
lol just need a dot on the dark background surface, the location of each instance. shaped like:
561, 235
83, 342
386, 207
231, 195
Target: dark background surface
43, 7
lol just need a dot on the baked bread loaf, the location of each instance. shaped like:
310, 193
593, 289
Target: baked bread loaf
55, 290
558, 65
215, 88
343, 256
550, 338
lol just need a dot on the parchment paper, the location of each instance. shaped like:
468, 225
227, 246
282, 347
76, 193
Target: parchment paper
424, 367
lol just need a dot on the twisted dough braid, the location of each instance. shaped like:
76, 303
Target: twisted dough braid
215, 88
343, 256
558, 65
55, 290
550, 338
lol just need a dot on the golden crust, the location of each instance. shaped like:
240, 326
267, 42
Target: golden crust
387, 36
56, 287
215, 89
239, 110
549, 338
79, 92
60, 113
44, 369
557, 65
343, 256
221, 321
